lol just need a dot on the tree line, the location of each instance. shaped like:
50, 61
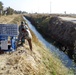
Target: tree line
8, 10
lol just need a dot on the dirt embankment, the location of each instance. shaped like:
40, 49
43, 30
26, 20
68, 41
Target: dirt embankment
25, 62
62, 32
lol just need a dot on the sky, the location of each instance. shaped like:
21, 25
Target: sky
42, 6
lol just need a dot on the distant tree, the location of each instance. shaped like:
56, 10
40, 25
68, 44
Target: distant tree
17, 12
24, 12
1, 5
9, 11
1, 8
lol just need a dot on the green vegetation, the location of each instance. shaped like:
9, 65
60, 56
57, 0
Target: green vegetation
8, 10
1, 6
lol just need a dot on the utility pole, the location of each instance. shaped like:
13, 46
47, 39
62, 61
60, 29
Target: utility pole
50, 7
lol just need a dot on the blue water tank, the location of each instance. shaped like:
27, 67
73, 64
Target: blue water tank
13, 43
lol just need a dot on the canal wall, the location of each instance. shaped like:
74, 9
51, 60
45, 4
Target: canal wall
62, 32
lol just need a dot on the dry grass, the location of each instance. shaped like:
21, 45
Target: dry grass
7, 19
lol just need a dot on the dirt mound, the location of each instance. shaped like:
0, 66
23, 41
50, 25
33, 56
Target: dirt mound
21, 62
